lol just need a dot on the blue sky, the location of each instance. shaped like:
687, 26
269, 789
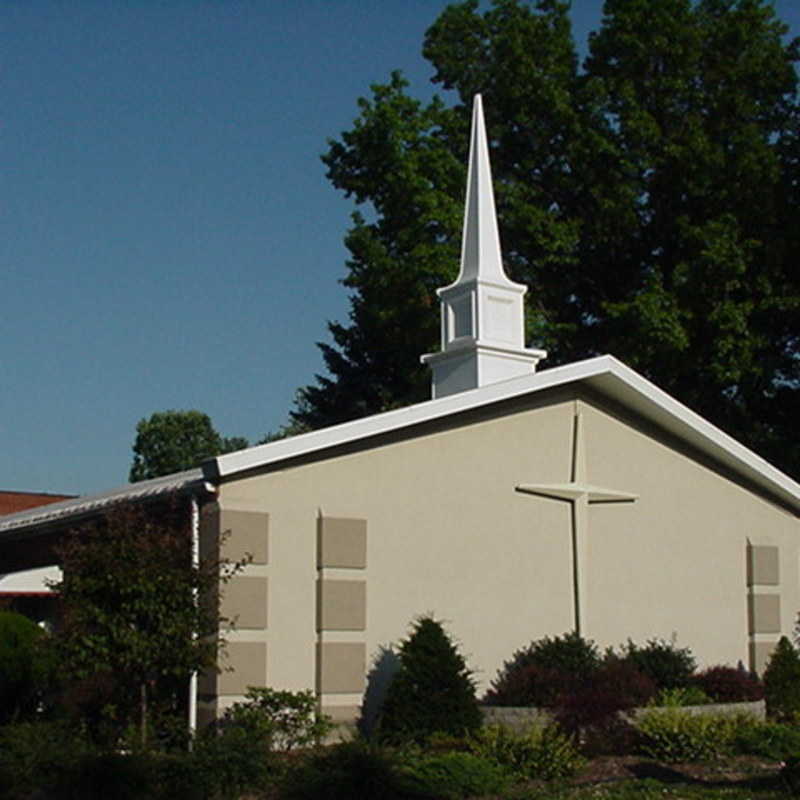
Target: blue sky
167, 235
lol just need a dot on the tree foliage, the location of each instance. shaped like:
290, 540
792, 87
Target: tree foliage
25, 671
782, 681
647, 198
432, 691
138, 616
173, 441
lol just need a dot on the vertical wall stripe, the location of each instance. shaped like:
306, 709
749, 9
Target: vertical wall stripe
763, 603
341, 615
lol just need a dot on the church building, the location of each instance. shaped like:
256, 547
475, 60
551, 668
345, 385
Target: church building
518, 502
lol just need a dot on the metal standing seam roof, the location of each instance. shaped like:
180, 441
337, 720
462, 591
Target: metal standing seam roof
604, 374
80, 506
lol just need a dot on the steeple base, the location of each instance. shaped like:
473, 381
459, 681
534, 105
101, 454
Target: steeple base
460, 369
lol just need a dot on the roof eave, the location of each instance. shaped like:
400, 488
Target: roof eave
604, 374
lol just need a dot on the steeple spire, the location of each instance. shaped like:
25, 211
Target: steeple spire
480, 243
483, 318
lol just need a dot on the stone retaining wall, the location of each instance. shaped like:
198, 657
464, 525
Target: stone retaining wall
519, 718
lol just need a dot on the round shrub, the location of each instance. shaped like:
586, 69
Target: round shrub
728, 685
544, 671
432, 691
668, 666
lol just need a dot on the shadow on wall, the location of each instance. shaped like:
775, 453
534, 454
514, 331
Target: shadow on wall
384, 667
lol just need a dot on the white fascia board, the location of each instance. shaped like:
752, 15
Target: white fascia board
604, 374
254, 457
29, 581
636, 393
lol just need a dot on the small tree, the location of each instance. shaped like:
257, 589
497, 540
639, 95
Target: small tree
782, 681
139, 617
432, 691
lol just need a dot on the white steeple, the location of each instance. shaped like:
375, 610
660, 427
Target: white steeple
483, 317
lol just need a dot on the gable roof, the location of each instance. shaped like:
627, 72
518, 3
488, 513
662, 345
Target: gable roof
605, 375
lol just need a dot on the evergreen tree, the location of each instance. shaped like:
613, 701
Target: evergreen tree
647, 199
432, 691
782, 681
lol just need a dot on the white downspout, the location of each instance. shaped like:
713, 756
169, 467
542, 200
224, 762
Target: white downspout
195, 564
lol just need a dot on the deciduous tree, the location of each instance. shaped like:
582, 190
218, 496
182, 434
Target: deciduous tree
173, 441
139, 616
647, 198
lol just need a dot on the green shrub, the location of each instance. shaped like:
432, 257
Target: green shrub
674, 735
542, 752
782, 682
143, 775
544, 671
681, 697
772, 740
454, 775
38, 756
547, 668
231, 761
129, 776
238, 753
569, 653
432, 691
282, 720
668, 666
176, 777
24, 667
346, 771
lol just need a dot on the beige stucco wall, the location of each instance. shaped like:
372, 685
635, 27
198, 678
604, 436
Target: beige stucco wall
447, 533
677, 565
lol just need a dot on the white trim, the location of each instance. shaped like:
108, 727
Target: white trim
195, 521
30, 581
604, 374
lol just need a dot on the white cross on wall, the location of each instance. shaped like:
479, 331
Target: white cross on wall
579, 494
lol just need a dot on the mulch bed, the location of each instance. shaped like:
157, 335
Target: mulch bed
731, 770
